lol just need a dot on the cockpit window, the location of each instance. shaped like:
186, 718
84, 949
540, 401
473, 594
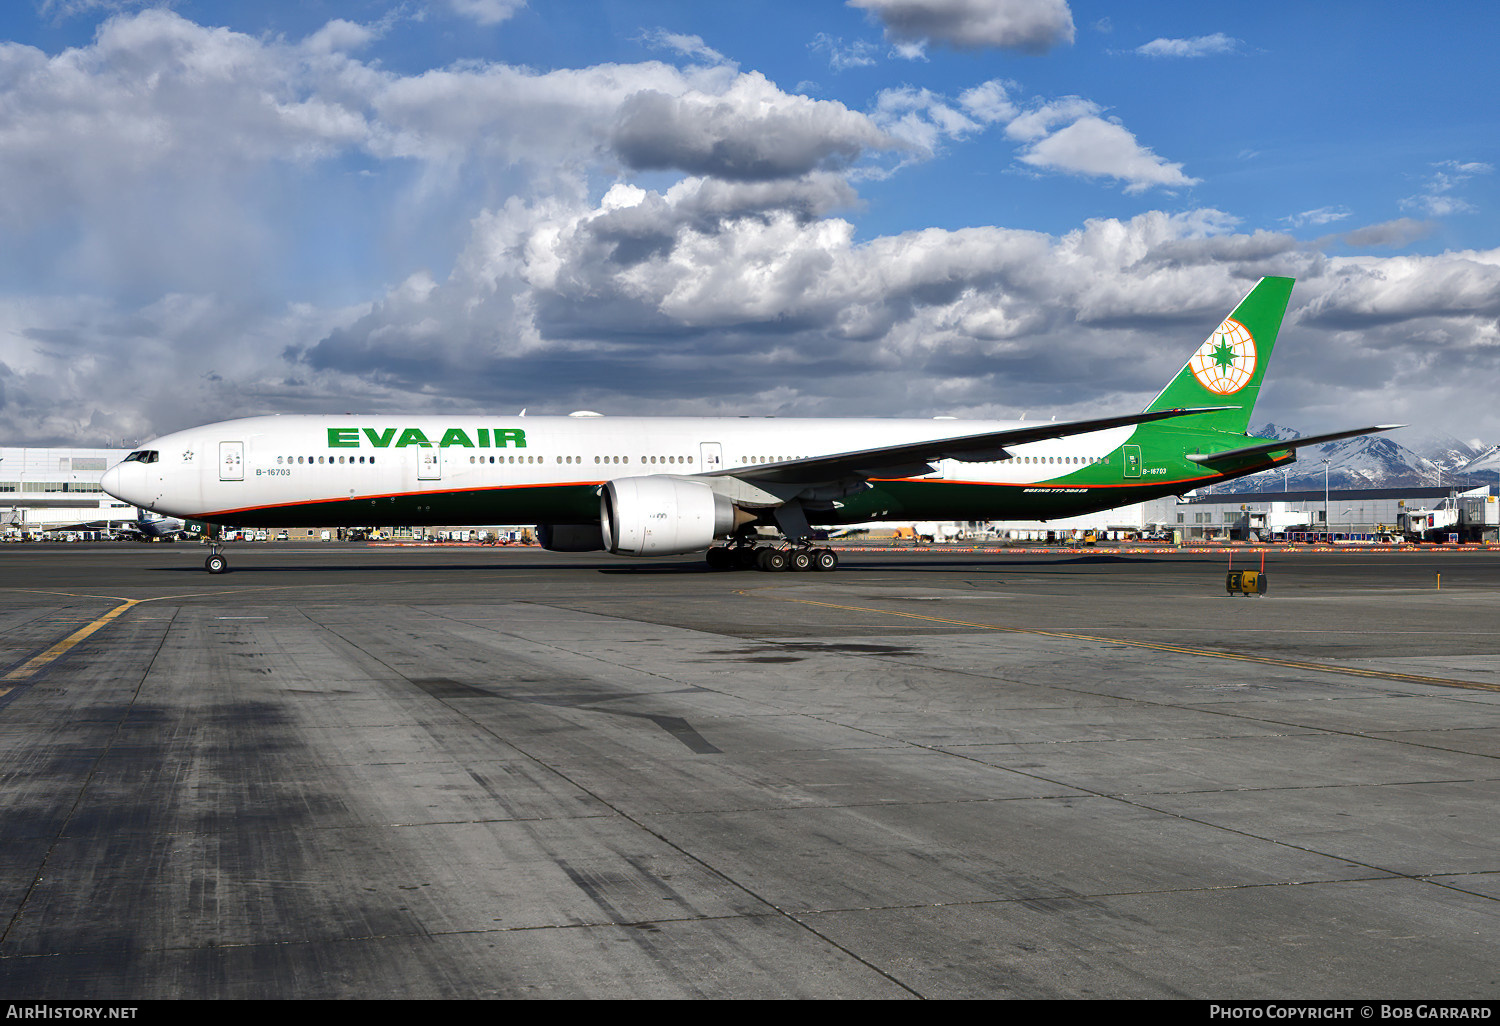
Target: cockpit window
141, 456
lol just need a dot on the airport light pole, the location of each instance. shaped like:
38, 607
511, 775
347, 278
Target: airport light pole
1325, 496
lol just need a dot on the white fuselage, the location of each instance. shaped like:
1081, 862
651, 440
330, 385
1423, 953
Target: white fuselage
229, 471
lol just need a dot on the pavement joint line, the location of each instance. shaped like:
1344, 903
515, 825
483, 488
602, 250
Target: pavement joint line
638, 821
1136, 802
795, 915
1244, 657
39, 662
88, 778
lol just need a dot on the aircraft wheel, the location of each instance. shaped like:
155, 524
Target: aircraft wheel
772, 560
825, 559
216, 564
719, 558
802, 560
746, 558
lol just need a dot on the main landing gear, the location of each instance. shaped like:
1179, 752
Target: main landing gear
771, 558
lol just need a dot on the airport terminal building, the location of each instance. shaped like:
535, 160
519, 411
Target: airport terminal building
1363, 514
55, 493
44, 488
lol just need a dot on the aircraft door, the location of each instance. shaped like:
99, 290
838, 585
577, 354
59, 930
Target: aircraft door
1132, 460
429, 463
710, 456
231, 461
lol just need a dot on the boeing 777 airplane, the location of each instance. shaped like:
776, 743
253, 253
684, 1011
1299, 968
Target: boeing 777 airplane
652, 486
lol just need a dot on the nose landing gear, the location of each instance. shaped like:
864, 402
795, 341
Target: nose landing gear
216, 563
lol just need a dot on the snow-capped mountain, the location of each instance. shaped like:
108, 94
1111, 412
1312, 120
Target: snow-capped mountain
1447, 452
1378, 461
1277, 431
1485, 464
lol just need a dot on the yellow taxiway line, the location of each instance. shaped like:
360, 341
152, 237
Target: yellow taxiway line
36, 663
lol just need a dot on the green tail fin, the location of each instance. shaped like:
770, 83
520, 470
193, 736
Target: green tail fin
1227, 369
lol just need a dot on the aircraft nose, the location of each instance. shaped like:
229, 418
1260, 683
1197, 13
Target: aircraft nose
110, 482
126, 482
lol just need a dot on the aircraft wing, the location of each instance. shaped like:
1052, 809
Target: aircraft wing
1269, 445
913, 458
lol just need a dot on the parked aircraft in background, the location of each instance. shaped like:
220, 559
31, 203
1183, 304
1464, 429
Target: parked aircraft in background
146, 526
647, 486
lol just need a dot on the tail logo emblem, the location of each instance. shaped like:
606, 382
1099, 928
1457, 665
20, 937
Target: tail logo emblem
1226, 362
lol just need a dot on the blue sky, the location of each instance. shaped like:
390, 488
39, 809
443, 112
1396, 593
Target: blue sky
909, 207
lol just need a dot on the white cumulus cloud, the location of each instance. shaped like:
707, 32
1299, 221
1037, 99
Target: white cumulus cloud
1439, 196
630, 238
1030, 26
1096, 148
486, 12
1198, 46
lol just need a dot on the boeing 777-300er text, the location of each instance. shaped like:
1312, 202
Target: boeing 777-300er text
656, 486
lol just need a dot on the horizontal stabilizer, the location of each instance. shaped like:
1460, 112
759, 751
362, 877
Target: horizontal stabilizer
1283, 445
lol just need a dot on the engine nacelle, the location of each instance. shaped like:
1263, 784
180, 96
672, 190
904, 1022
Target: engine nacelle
662, 516
570, 537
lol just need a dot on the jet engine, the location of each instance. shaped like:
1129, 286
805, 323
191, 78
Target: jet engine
570, 537
663, 516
